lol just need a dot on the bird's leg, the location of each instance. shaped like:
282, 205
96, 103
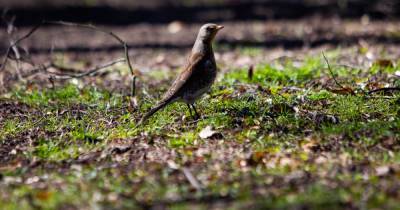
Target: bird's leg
190, 110
195, 111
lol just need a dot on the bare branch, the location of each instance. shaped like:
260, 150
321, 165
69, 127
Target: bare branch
15, 43
192, 180
125, 45
384, 90
65, 76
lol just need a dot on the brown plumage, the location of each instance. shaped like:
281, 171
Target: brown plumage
197, 76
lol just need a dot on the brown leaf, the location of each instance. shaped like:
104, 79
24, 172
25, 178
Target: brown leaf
258, 156
385, 63
43, 195
374, 85
310, 145
255, 158
345, 90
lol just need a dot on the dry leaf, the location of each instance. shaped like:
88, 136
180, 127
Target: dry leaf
383, 170
343, 91
374, 85
43, 195
383, 63
256, 158
208, 133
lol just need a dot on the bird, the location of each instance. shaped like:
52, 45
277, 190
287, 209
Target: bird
197, 75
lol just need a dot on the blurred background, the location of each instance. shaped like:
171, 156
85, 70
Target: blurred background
160, 32
162, 11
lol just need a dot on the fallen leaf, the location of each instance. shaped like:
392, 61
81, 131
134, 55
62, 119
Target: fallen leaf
383, 63
209, 133
374, 85
43, 195
32, 180
256, 158
310, 145
383, 170
342, 91
172, 165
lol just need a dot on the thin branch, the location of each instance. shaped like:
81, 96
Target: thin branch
89, 26
331, 72
36, 70
133, 85
85, 73
384, 90
14, 44
44, 68
192, 180
125, 45
17, 59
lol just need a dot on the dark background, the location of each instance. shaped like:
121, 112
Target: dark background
120, 12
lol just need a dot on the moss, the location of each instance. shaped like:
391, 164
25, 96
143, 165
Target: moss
274, 154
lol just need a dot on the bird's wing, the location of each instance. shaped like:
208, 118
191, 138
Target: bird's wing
183, 77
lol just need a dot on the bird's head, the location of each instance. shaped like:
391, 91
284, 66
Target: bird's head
208, 31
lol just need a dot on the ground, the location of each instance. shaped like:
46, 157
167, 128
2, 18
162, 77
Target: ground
277, 131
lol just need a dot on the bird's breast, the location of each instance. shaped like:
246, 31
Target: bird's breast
203, 77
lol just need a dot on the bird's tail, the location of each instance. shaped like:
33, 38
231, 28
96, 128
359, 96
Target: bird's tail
152, 111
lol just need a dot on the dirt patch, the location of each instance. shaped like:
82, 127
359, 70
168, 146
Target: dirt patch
11, 109
13, 145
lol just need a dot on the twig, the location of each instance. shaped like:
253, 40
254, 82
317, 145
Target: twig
192, 180
133, 86
36, 70
14, 44
384, 90
89, 26
331, 72
85, 73
125, 45
66, 76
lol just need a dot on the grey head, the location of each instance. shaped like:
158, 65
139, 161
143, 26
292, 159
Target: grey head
206, 35
208, 31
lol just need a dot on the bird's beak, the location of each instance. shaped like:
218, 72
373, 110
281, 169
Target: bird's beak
219, 27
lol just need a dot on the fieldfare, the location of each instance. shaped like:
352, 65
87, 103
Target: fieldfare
197, 76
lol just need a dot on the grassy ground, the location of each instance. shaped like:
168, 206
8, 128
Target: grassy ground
286, 137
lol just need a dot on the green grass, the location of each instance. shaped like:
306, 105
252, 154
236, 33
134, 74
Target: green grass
280, 148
